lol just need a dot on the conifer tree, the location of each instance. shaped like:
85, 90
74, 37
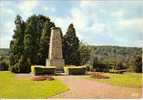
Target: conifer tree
44, 42
30, 42
16, 44
70, 46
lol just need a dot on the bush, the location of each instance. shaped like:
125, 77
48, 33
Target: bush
4, 64
138, 65
22, 66
101, 68
75, 70
14, 68
41, 70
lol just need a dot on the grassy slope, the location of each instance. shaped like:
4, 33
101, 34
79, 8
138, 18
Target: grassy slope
133, 80
14, 87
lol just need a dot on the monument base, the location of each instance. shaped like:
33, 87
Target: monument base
58, 63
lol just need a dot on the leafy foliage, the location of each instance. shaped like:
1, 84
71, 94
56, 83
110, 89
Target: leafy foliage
84, 52
138, 64
30, 42
4, 63
70, 46
44, 42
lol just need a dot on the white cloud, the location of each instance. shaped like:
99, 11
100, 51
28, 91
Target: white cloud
28, 5
78, 18
6, 23
61, 22
88, 25
138, 43
45, 8
87, 2
136, 23
6, 33
53, 9
119, 14
27, 8
49, 9
5, 10
86, 21
96, 22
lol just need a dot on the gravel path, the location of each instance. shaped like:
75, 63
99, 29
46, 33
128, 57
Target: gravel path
84, 88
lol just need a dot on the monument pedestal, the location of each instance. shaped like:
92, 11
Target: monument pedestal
58, 63
55, 50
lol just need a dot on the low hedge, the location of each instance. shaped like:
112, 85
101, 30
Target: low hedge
42, 70
75, 70
117, 71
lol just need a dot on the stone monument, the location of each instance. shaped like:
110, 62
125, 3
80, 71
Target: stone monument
55, 49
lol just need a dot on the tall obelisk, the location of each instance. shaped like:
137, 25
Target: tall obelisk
55, 49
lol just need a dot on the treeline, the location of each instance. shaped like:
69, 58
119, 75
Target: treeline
4, 51
118, 58
30, 46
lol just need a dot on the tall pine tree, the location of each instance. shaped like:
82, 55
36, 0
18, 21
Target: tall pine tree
16, 45
70, 47
44, 41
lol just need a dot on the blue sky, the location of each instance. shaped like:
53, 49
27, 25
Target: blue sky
96, 22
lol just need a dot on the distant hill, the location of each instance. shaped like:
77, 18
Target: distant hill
104, 51
117, 50
4, 51
114, 54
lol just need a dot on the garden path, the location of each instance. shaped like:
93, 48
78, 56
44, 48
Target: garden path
84, 88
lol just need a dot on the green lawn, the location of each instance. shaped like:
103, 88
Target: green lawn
133, 80
15, 87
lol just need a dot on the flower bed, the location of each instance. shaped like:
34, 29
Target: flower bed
42, 78
98, 75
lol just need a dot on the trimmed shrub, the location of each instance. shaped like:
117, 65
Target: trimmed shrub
42, 70
75, 70
88, 67
101, 68
117, 71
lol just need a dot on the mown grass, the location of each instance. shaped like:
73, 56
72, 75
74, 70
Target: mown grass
21, 87
133, 80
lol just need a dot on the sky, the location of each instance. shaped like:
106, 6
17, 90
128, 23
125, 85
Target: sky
113, 22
